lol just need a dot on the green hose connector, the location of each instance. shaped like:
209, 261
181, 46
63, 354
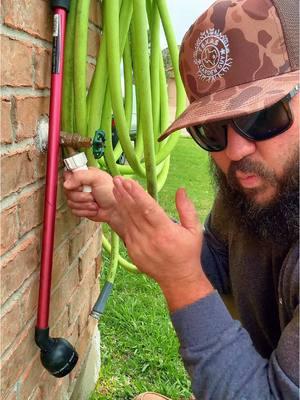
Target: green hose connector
98, 144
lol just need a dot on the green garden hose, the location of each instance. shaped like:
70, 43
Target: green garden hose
130, 37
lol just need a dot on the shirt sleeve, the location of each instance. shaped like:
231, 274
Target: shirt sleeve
221, 360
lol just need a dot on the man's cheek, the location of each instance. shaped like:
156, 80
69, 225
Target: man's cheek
221, 160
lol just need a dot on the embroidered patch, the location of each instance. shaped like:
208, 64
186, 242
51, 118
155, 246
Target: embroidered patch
211, 55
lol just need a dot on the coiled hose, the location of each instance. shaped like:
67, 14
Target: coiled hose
130, 37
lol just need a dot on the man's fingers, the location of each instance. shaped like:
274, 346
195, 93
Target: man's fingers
90, 206
84, 213
186, 210
140, 204
67, 175
121, 192
79, 178
80, 197
125, 204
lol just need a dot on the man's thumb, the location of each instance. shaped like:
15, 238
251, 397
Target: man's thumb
187, 211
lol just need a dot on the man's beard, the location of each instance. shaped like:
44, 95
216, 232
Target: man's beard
276, 221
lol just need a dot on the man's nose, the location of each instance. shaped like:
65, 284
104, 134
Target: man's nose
238, 147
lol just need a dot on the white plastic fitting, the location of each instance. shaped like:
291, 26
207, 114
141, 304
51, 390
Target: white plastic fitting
78, 162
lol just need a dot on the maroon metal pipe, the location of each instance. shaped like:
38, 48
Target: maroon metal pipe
60, 16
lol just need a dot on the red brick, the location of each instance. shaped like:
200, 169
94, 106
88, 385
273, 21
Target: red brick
61, 388
91, 253
93, 43
81, 297
91, 227
17, 171
61, 327
28, 112
12, 365
65, 223
18, 267
95, 229
61, 199
37, 394
40, 160
85, 338
33, 17
84, 316
40, 164
71, 334
29, 300
60, 262
82, 345
12, 395
6, 126
50, 386
31, 210
30, 377
10, 325
17, 68
95, 13
95, 291
62, 294
9, 228
38, 233
47, 384
77, 241
42, 65
74, 340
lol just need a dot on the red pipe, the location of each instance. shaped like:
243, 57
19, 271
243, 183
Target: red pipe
60, 16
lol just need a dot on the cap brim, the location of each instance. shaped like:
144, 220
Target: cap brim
235, 102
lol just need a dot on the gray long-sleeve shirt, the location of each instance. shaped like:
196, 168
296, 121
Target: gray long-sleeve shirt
258, 357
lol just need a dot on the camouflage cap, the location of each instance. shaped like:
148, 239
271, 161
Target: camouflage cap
239, 57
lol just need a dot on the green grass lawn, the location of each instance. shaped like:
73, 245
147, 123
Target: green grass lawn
139, 349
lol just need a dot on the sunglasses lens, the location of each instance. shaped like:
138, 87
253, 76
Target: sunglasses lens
211, 137
266, 123
261, 125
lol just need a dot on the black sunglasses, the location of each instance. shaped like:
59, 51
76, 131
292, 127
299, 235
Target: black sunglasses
260, 125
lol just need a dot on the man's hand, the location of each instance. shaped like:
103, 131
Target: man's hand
164, 250
98, 206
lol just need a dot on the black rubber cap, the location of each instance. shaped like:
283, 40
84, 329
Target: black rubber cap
58, 356
61, 359
61, 4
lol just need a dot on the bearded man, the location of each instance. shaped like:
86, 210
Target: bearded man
240, 66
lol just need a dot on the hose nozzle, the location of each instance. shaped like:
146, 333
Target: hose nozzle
58, 356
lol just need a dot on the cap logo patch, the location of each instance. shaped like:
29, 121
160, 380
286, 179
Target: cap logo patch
211, 55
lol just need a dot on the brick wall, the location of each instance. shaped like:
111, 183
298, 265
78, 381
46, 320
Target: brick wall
25, 78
